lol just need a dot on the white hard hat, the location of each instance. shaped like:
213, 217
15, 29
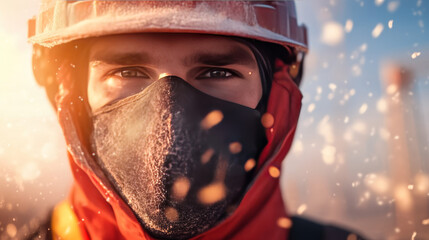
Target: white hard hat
62, 21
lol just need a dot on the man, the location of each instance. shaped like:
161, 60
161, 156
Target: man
177, 116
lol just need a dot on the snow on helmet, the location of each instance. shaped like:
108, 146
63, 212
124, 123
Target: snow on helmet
63, 21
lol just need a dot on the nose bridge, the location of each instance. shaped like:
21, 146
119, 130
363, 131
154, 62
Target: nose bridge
178, 74
164, 74
171, 67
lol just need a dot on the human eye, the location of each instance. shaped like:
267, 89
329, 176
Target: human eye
217, 73
130, 73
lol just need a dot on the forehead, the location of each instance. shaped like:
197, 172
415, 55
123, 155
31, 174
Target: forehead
155, 45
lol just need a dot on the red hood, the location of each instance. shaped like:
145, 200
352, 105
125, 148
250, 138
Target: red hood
104, 215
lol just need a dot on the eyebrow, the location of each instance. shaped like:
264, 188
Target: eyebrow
235, 55
121, 58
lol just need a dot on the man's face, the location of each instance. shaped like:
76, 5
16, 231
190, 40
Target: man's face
154, 143
123, 65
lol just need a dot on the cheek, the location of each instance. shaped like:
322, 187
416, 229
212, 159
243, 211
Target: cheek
101, 92
94, 97
253, 91
245, 91
249, 91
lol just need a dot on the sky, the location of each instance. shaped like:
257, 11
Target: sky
347, 139
342, 151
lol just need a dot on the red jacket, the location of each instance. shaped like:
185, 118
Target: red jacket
99, 213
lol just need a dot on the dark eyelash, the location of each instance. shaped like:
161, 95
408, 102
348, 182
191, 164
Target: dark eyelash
139, 69
233, 73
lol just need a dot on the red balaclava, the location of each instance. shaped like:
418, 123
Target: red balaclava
103, 214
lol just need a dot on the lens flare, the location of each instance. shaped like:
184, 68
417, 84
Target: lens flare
235, 147
267, 120
249, 165
207, 155
284, 222
212, 119
171, 214
180, 188
212, 193
274, 172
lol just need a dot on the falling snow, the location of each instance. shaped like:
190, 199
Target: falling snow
378, 29
393, 6
311, 107
363, 108
349, 26
379, 2
415, 55
328, 154
382, 105
332, 33
301, 209
390, 24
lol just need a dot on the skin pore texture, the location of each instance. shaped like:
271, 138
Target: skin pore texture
123, 65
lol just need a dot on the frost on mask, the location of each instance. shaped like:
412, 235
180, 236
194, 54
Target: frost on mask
177, 156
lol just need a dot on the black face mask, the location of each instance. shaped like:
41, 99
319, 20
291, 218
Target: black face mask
180, 158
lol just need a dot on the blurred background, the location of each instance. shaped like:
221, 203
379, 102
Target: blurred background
360, 157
